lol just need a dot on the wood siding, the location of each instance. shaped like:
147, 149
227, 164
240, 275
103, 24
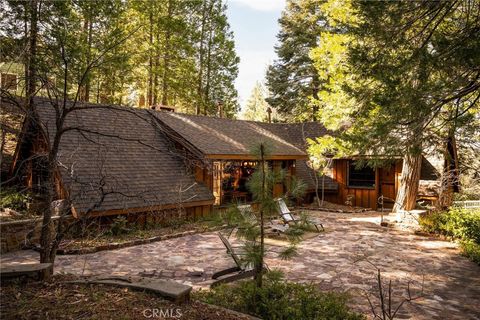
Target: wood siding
386, 183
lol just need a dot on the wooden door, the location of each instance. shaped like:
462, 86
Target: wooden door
387, 185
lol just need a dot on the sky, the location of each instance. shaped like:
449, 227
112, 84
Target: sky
255, 27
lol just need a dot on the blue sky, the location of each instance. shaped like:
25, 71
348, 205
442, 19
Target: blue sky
254, 23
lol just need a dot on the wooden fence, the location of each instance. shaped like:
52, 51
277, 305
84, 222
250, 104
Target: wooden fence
467, 204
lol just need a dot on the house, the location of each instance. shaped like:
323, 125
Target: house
118, 160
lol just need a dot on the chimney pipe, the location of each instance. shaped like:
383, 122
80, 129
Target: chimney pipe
220, 108
269, 111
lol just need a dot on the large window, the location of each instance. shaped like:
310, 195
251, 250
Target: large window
360, 177
230, 181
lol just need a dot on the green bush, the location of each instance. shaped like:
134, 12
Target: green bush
458, 223
12, 199
118, 226
280, 299
471, 250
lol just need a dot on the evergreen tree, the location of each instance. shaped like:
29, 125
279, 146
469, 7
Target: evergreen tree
182, 52
217, 61
256, 108
292, 79
412, 81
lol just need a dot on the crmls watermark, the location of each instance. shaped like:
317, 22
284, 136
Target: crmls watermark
174, 313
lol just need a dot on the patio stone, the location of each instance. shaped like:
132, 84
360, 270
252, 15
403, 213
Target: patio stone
451, 282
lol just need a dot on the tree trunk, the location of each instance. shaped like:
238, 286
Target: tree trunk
48, 249
200, 62
207, 85
150, 59
450, 177
32, 53
323, 189
317, 195
315, 88
259, 265
87, 30
166, 56
89, 58
156, 66
409, 180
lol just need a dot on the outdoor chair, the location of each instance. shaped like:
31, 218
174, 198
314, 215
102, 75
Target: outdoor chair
234, 273
246, 211
288, 217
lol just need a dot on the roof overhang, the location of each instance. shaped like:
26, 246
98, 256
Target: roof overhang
143, 209
252, 157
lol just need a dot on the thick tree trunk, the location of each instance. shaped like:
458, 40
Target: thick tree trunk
409, 180
450, 177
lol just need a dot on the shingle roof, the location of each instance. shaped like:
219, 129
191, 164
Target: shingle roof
121, 153
428, 172
307, 175
220, 136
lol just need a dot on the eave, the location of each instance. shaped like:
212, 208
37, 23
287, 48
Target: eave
77, 214
252, 157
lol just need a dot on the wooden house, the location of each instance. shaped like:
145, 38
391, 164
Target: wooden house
117, 160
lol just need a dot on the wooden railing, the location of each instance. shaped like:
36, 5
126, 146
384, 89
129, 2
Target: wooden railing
467, 204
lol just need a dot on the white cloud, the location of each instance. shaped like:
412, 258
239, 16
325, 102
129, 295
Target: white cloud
262, 5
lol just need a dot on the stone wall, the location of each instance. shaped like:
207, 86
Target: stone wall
14, 235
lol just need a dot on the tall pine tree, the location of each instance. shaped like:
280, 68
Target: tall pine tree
292, 79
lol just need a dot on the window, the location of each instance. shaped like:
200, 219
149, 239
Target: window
9, 81
360, 177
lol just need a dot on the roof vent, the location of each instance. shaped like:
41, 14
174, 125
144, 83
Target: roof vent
163, 108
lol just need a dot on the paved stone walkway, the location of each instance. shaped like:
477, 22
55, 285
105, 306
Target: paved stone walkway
451, 283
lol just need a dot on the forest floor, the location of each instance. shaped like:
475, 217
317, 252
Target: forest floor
105, 238
57, 299
338, 259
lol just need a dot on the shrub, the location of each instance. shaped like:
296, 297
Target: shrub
118, 226
458, 223
12, 199
280, 299
471, 250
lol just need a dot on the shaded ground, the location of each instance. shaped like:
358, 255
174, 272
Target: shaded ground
58, 300
451, 282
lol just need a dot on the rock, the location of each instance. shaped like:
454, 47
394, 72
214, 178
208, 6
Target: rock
168, 289
148, 273
195, 272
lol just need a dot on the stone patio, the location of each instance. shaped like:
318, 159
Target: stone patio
451, 282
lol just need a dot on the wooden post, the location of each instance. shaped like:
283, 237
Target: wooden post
377, 187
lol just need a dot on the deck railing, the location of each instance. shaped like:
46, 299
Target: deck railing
467, 204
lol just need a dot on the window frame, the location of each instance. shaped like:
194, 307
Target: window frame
373, 186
